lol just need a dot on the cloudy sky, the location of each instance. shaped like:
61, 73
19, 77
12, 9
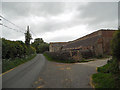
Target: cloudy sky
58, 21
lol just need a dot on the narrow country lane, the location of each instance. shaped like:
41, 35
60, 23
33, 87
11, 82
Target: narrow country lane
40, 73
61, 75
24, 75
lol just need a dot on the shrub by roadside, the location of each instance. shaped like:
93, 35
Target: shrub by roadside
62, 57
15, 53
13, 49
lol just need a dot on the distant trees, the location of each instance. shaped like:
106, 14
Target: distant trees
40, 45
38, 40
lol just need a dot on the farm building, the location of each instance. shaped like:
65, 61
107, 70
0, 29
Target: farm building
97, 42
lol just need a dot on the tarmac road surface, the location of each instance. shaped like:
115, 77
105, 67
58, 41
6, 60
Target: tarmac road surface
24, 75
40, 73
61, 75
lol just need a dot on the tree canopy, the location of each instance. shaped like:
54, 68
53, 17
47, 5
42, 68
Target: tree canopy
40, 45
116, 45
13, 49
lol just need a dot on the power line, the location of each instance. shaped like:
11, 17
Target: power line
11, 22
11, 28
15, 24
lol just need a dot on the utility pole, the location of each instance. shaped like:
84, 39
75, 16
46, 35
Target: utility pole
27, 37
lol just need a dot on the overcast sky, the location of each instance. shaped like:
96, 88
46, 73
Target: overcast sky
59, 21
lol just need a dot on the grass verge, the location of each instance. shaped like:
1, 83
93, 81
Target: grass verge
104, 69
8, 64
49, 58
103, 80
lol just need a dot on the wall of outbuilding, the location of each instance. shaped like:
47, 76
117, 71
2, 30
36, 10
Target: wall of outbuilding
100, 46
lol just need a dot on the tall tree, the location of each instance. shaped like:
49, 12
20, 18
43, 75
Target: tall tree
28, 37
116, 45
116, 49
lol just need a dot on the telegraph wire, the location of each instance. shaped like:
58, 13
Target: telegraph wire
11, 22
15, 25
11, 28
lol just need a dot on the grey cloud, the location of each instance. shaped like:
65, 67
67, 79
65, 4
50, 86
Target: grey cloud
24, 9
15, 10
100, 11
95, 15
47, 8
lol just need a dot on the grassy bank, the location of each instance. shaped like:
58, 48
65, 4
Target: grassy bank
50, 58
8, 64
105, 79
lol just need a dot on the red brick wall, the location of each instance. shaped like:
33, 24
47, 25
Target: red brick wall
107, 37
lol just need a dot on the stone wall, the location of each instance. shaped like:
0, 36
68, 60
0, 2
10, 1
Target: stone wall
56, 46
98, 42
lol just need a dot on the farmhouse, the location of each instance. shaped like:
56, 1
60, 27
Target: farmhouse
97, 42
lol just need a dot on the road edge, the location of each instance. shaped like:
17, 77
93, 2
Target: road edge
91, 80
16, 67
